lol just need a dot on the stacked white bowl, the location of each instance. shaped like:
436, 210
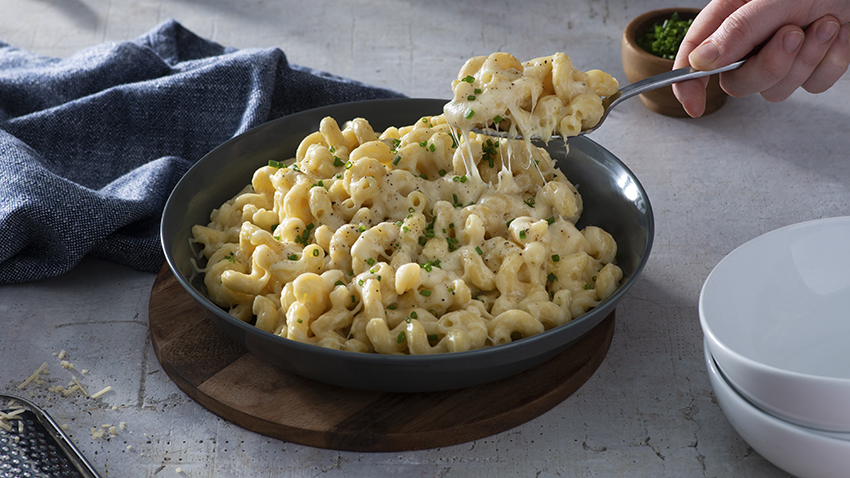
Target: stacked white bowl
775, 314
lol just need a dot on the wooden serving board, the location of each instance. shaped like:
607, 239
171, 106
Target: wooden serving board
235, 384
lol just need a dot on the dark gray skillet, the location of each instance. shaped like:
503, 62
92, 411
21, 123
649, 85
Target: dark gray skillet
613, 199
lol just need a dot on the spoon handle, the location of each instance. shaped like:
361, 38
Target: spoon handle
667, 78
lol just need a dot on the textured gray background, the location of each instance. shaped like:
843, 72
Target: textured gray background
714, 183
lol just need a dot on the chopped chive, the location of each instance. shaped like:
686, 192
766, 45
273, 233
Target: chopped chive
353, 299
556, 258
587, 287
300, 321
479, 251
422, 241
471, 97
550, 221
477, 91
424, 144
396, 160
433, 338
552, 277
469, 114
392, 306
360, 282
424, 176
414, 315
451, 225
370, 261
361, 228
348, 164
529, 202
275, 164
432, 147
315, 253
338, 162
401, 337
441, 172
463, 178
497, 120
425, 293
452, 243
339, 282
522, 234
468, 79
292, 257
508, 223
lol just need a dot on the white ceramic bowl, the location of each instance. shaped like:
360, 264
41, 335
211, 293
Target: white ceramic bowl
803, 452
776, 318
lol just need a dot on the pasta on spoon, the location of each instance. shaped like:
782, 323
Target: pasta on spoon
538, 98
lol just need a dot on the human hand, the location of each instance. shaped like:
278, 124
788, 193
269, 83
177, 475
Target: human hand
804, 43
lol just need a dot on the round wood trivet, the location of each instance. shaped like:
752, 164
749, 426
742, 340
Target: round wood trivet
235, 384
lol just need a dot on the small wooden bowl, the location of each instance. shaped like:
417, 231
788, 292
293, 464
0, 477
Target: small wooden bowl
639, 64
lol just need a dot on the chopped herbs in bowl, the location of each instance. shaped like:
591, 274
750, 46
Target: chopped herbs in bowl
663, 38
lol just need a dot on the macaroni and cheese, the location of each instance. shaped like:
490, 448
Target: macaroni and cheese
541, 97
414, 240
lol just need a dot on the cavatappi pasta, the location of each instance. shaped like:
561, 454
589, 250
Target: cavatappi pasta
388, 242
541, 97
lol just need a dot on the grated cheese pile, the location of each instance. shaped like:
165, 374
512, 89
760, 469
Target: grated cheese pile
73, 386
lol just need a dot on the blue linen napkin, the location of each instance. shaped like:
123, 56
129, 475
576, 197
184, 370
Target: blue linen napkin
92, 145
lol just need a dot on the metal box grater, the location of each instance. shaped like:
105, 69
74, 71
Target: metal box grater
32, 445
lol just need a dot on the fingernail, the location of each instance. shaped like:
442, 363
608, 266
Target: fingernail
791, 41
704, 54
826, 31
844, 33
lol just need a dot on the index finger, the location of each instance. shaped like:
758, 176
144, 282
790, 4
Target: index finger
691, 94
707, 22
743, 29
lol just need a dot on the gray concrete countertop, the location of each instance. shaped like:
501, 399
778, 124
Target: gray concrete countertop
649, 411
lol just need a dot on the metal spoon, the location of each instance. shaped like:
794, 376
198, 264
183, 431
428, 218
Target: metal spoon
653, 82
